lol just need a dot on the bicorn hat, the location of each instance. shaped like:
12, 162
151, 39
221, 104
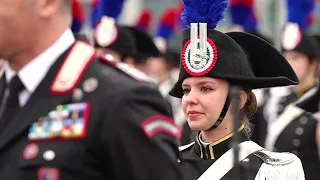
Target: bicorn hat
238, 57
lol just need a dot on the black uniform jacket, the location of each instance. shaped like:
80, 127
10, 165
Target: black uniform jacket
299, 137
88, 120
261, 123
196, 159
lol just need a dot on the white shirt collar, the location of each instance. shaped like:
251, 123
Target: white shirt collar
203, 143
33, 73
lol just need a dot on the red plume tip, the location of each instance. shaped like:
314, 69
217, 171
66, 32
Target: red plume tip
145, 18
94, 3
77, 10
169, 17
311, 18
248, 3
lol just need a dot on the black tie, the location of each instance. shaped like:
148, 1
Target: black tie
11, 104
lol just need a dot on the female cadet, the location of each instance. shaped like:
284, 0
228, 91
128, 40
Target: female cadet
302, 52
295, 130
299, 132
211, 63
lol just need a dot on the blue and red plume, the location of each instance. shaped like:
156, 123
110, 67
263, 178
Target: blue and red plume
180, 11
78, 16
95, 12
241, 11
299, 11
251, 23
144, 20
110, 8
206, 11
168, 22
312, 17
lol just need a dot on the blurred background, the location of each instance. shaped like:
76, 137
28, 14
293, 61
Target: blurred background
271, 15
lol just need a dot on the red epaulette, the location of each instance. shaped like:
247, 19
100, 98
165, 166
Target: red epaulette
73, 68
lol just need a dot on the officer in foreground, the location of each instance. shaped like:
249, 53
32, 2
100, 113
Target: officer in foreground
66, 114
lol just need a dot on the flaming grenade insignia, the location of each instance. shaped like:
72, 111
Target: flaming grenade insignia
199, 55
199, 59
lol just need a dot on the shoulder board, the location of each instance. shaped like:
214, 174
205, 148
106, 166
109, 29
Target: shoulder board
185, 147
279, 166
129, 70
73, 67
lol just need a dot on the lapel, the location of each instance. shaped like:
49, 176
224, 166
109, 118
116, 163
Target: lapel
39, 104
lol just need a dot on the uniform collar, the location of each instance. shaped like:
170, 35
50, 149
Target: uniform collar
216, 149
32, 73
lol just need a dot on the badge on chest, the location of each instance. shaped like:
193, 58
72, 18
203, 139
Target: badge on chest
65, 122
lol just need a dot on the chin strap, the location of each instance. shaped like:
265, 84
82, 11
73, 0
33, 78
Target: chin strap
222, 114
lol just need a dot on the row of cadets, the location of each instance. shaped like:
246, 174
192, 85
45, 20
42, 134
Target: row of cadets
287, 126
301, 51
299, 48
242, 12
130, 47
